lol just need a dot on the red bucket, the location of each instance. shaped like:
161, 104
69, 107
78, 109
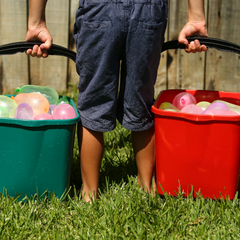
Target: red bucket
197, 152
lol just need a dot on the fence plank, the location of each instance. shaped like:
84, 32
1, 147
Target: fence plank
161, 80
223, 69
192, 66
73, 77
172, 55
13, 25
52, 71
176, 70
1, 67
185, 71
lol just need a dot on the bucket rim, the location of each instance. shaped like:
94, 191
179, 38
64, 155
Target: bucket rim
196, 117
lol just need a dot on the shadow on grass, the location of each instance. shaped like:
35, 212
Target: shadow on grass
118, 160
117, 172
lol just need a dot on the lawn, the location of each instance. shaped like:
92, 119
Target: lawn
123, 211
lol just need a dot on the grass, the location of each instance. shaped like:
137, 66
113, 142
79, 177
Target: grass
123, 211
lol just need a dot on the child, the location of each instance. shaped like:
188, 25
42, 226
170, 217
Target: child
108, 32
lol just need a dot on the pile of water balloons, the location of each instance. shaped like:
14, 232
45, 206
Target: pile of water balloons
34, 102
187, 103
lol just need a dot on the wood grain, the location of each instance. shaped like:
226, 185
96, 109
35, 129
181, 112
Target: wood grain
73, 77
13, 26
213, 70
52, 71
223, 68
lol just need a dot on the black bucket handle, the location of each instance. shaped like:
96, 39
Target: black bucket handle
218, 44
16, 47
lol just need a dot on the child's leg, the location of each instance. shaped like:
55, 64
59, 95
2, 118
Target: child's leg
144, 149
91, 145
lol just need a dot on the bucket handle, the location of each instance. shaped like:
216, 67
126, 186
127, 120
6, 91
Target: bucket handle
218, 44
16, 47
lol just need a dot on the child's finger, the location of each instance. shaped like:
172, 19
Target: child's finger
192, 47
44, 53
29, 52
39, 52
34, 51
204, 48
195, 46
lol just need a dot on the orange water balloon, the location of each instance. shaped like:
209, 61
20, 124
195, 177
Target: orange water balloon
38, 102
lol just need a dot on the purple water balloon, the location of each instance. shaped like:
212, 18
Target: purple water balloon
217, 112
24, 111
218, 106
51, 108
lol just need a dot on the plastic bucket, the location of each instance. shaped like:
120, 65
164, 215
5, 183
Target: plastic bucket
36, 155
197, 154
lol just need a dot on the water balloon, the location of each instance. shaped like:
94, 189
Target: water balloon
24, 111
218, 106
51, 108
48, 92
182, 99
38, 102
231, 106
43, 116
63, 99
203, 104
3, 112
192, 109
217, 112
64, 111
9, 104
167, 106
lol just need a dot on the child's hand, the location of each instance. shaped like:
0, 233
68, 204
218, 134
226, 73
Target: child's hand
193, 29
39, 34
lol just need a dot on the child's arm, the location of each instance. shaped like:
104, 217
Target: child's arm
196, 25
37, 29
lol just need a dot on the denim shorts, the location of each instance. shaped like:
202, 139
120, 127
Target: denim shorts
118, 51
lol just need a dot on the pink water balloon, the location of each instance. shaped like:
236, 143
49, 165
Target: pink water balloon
64, 111
24, 111
182, 99
43, 116
192, 109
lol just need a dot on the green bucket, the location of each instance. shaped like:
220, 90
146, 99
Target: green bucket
36, 155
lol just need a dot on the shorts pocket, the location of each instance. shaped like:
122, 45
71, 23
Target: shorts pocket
150, 26
94, 25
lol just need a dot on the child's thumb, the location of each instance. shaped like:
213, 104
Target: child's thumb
182, 39
47, 44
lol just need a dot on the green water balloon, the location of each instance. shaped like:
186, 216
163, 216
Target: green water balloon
48, 92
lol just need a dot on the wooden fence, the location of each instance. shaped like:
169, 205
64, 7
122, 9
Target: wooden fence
213, 70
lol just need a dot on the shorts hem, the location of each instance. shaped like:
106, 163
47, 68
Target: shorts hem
96, 126
138, 128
